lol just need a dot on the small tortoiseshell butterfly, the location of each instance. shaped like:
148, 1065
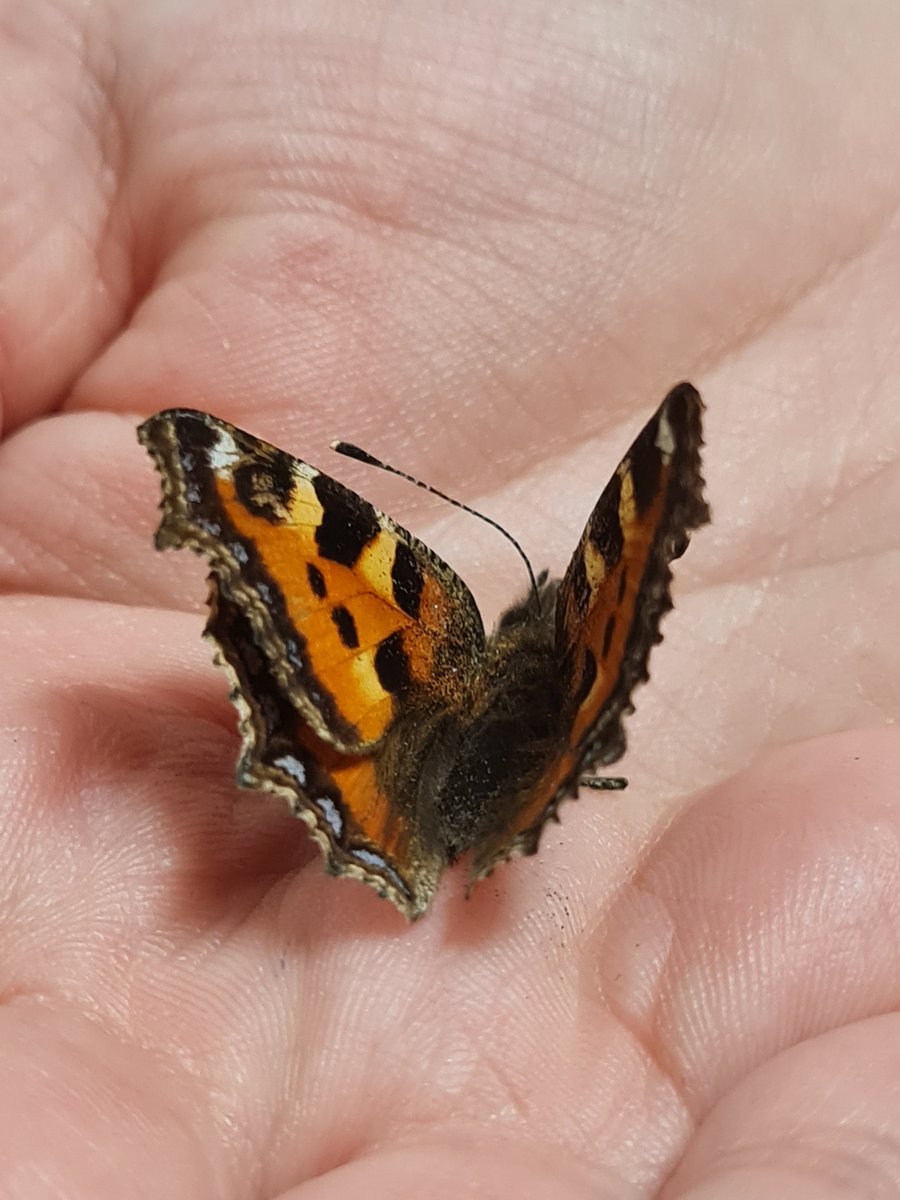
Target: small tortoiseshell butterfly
368, 694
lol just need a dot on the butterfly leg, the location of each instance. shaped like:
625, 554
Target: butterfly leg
603, 783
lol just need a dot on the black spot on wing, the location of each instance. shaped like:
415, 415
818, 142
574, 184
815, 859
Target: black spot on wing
348, 525
193, 431
265, 484
346, 626
605, 529
407, 581
180, 441
623, 580
645, 464
316, 581
581, 590
392, 665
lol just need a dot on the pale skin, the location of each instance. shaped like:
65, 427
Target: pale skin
482, 241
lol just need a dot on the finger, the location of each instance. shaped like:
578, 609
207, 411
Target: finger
427, 277
766, 915
815, 1123
79, 502
65, 274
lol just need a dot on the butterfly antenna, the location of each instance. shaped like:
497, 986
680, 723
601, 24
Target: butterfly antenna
363, 456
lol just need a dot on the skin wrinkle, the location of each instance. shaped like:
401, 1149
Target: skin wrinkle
601, 344
819, 1159
646, 1035
802, 292
102, 127
471, 138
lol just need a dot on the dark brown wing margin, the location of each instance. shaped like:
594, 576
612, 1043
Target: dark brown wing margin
611, 602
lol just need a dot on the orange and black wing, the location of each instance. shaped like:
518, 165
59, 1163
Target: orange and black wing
350, 610
610, 604
343, 799
330, 621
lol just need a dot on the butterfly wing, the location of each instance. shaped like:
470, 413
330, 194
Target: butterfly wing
610, 604
349, 609
341, 798
330, 621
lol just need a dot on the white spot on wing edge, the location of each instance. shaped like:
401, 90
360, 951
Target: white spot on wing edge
293, 767
332, 817
665, 436
379, 863
223, 454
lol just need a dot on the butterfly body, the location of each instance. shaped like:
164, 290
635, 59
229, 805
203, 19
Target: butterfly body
462, 765
367, 692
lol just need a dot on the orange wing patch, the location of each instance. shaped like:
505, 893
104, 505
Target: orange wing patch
345, 613
349, 609
340, 798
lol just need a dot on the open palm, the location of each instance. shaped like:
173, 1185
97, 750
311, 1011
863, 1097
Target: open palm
481, 241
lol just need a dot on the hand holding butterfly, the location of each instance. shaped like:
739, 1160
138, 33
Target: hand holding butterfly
469, 241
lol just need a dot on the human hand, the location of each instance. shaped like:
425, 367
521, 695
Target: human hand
481, 242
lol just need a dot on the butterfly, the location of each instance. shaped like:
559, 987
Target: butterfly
367, 692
